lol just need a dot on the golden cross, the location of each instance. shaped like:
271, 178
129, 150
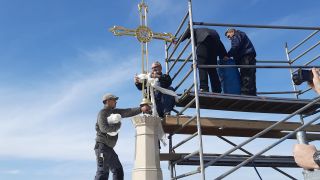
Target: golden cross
144, 35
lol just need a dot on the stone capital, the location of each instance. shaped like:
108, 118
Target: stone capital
145, 120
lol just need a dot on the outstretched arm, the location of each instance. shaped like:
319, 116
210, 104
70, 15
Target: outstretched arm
128, 112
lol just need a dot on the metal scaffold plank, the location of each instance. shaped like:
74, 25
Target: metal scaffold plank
244, 103
232, 160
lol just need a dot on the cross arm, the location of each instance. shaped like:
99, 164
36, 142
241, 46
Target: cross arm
120, 31
163, 36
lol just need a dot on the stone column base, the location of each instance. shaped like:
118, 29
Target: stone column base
146, 163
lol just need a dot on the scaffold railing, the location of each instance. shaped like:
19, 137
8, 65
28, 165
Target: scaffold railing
180, 72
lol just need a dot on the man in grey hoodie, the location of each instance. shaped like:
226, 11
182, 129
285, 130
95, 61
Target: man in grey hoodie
107, 127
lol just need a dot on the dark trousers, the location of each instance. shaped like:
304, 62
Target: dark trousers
248, 75
207, 55
107, 160
164, 102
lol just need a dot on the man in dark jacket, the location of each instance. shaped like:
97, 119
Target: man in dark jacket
209, 46
107, 127
242, 50
164, 102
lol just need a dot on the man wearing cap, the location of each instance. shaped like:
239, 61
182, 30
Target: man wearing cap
243, 52
107, 127
209, 46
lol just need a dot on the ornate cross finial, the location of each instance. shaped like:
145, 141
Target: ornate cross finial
144, 35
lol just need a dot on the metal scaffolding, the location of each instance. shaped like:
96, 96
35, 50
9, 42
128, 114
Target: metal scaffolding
177, 68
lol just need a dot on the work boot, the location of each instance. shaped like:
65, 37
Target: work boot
204, 90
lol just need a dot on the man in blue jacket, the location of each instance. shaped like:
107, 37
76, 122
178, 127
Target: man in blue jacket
243, 52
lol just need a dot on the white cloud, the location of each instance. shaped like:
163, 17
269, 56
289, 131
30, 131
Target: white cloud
254, 2
165, 7
47, 123
161, 8
304, 18
10, 171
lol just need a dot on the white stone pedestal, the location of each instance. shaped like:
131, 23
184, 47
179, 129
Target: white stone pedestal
146, 163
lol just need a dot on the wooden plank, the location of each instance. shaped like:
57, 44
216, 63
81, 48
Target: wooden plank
224, 123
235, 127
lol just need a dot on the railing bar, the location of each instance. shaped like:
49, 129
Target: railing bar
254, 66
312, 60
183, 50
191, 155
247, 152
179, 28
187, 174
306, 39
197, 104
306, 64
258, 61
268, 148
269, 61
176, 47
262, 132
279, 92
302, 54
182, 66
187, 75
257, 26
176, 60
187, 91
305, 91
179, 60
186, 157
185, 140
187, 106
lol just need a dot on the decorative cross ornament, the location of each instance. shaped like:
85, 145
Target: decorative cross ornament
144, 35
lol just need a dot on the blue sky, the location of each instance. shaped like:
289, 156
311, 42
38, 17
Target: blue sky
57, 60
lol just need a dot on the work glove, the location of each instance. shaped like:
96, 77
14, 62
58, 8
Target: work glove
141, 77
114, 118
